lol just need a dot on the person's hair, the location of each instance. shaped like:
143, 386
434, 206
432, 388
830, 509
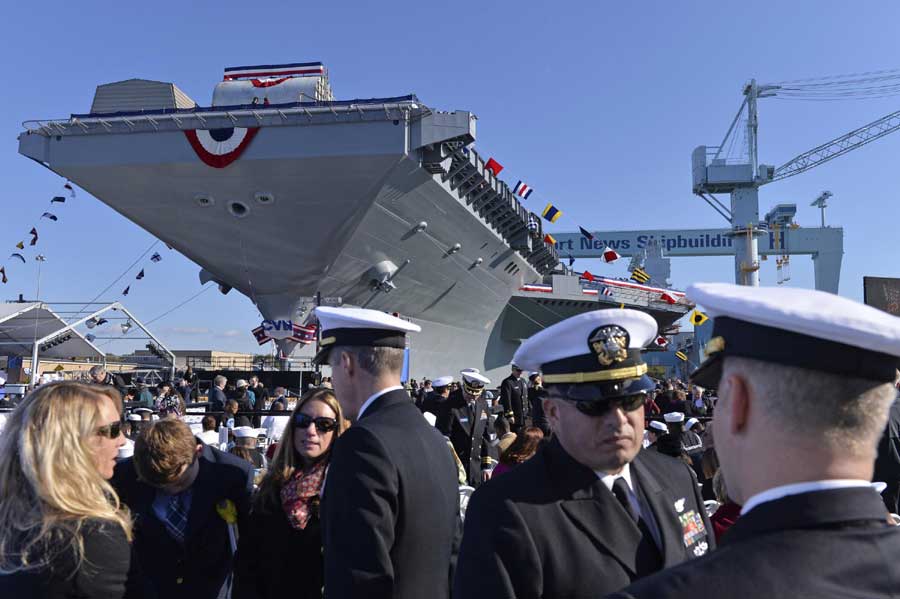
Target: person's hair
426, 382
279, 404
97, 370
220, 380
718, 485
280, 391
163, 451
50, 484
208, 423
245, 453
232, 404
286, 459
526, 445
374, 360
842, 414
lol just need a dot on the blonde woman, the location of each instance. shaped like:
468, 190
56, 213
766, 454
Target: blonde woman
280, 555
63, 532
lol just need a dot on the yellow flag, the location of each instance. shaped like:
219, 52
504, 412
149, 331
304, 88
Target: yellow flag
21, 245
681, 356
698, 318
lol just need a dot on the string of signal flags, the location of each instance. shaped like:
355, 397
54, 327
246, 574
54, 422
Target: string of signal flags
552, 214
21, 249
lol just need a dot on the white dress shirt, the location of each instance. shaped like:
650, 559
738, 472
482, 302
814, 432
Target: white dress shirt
798, 488
375, 396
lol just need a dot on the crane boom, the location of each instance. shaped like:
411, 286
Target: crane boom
838, 146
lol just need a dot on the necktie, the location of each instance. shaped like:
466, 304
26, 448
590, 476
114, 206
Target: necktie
620, 490
647, 556
176, 518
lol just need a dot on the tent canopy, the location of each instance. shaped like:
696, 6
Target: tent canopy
22, 323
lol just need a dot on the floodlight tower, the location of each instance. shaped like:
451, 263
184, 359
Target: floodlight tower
819, 203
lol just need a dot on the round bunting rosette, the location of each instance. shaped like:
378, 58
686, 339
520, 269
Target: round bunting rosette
220, 147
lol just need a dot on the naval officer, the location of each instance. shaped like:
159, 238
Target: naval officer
590, 512
390, 511
804, 384
471, 428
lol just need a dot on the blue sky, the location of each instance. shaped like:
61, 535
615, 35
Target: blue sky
597, 105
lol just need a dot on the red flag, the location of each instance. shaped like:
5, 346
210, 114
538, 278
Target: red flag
668, 298
493, 166
610, 255
587, 276
548, 238
662, 341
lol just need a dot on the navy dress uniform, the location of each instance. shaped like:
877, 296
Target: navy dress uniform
471, 429
555, 527
816, 539
390, 509
514, 398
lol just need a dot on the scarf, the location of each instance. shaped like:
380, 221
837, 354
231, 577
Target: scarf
300, 494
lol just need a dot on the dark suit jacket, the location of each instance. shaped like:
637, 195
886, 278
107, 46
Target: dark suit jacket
551, 528
470, 433
217, 401
390, 512
197, 569
819, 545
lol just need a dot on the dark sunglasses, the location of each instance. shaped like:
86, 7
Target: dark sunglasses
323, 423
110, 431
628, 403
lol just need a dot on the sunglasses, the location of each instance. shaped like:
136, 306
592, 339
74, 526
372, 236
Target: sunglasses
323, 423
599, 407
110, 431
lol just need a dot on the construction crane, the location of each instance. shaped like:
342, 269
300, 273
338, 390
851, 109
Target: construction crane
714, 172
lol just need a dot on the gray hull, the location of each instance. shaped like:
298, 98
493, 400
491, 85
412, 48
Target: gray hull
332, 200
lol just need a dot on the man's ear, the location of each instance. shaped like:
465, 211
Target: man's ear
551, 412
739, 401
346, 362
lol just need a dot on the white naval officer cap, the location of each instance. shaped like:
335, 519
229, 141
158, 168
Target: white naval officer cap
595, 355
441, 381
473, 381
659, 426
134, 418
796, 327
674, 417
690, 423
360, 326
245, 432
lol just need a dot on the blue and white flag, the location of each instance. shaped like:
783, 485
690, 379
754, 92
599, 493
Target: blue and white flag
522, 190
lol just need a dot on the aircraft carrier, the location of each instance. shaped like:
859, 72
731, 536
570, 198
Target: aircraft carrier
286, 195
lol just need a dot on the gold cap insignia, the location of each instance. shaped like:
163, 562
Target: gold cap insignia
609, 344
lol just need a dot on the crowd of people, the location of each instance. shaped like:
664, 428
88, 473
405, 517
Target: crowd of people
575, 476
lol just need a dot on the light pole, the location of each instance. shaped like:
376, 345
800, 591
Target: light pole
37, 312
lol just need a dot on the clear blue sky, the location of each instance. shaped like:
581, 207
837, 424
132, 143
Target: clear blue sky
597, 105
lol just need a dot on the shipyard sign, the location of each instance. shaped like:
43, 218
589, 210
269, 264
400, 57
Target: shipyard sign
696, 242
278, 330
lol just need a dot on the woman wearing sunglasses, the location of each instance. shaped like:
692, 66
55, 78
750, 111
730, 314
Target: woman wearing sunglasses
63, 532
280, 555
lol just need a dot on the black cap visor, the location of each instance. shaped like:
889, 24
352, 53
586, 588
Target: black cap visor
605, 390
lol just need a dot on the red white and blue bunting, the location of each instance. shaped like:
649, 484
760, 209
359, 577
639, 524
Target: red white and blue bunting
220, 147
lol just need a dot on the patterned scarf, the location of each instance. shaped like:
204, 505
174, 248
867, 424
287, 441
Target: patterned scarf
300, 494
